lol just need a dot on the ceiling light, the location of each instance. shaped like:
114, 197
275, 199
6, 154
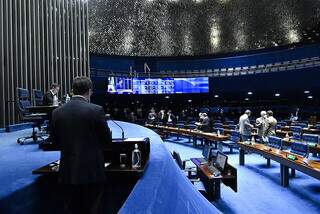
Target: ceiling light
246, 99
167, 97
216, 96
277, 95
189, 101
250, 93
310, 97
306, 92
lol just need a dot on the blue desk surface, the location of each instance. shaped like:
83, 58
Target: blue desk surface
163, 188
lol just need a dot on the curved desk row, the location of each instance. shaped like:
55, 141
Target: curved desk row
163, 188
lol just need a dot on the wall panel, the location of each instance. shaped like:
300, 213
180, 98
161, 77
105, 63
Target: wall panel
41, 42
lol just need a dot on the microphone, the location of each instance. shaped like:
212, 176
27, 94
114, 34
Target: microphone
108, 117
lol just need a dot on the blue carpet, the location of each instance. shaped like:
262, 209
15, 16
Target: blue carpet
163, 189
259, 189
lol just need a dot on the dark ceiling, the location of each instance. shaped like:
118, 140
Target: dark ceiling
199, 27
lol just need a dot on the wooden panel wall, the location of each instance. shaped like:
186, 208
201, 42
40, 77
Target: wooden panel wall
41, 42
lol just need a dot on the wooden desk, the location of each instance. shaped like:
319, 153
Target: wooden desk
211, 183
112, 156
304, 130
190, 132
308, 167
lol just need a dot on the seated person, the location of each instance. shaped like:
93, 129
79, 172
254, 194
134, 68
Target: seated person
171, 117
51, 97
204, 122
152, 116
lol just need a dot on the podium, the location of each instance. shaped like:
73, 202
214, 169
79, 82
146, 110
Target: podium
112, 158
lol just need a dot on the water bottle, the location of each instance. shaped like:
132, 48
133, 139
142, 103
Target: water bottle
253, 140
67, 98
136, 157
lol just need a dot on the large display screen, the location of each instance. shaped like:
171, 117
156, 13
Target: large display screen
123, 85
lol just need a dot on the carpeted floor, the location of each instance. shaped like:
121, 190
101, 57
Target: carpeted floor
259, 189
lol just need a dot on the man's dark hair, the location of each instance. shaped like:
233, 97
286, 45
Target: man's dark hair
269, 113
54, 85
81, 85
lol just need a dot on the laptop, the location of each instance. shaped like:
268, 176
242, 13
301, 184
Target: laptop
206, 153
220, 161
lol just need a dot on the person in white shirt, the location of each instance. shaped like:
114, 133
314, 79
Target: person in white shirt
261, 125
244, 126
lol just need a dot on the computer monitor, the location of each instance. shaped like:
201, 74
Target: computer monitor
206, 151
221, 161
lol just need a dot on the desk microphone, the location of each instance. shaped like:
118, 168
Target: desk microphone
108, 117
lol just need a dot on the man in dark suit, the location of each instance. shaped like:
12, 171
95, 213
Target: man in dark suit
80, 129
51, 95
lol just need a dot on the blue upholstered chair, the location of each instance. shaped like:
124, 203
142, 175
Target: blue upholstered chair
233, 141
37, 97
310, 138
229, 122
217, 125
275, 142
299, 148
233, 127
36, 120
302, 125
180, 124
296, 132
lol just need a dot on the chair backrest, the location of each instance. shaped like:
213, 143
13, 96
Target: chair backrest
180, 125
281, 123
302, 125
299, 148
318, 126
275, 142
312, 138
233, 127
230, 122
217, 125
296, 129
191, 126
177, 157
37, 97
22, 101
217, 121
235, 136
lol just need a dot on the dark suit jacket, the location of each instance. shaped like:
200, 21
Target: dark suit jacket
48, 99
81, 131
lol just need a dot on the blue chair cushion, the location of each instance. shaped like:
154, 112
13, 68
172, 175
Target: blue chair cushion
296, 129
218, 125
233, 127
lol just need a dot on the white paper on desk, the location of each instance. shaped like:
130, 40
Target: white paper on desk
134, 139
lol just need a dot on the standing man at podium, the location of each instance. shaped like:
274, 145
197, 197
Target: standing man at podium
81, 131
51, 97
